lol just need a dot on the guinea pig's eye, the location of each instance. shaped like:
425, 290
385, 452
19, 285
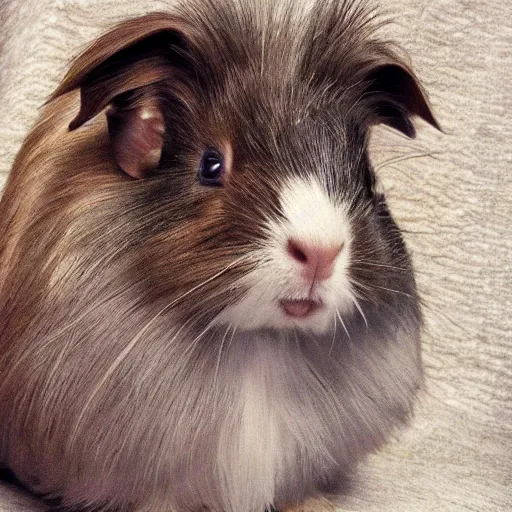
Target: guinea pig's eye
211, 168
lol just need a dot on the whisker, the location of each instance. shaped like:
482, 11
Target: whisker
343, 324
368, 287
403, 158
359, 285
217, 366
364, 262
333, 336
209, 280
194, 342
235, 328
391, 290
359, 308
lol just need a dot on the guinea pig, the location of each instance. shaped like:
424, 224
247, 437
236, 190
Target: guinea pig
205, 303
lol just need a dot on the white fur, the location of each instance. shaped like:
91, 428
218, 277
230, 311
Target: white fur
255, 452
315, 219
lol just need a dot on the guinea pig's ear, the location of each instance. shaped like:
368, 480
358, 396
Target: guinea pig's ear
396, 95
123, 68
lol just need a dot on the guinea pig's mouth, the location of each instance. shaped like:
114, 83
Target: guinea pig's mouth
300, 308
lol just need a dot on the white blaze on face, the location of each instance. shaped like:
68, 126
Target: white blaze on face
312, 216
313, 220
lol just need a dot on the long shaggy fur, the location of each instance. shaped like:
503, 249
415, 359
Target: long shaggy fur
119, 390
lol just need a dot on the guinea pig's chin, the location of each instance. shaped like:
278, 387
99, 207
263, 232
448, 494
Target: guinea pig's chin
317, 318
318, 314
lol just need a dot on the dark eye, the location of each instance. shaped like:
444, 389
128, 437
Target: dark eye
211, 168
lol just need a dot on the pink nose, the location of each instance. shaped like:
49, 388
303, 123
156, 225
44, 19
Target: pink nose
317, 260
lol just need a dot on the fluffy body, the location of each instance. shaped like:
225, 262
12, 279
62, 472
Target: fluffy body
146, 363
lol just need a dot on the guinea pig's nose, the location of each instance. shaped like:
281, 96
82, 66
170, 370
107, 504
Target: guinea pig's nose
317, 260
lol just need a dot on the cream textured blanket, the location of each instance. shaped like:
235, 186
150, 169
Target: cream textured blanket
452, 195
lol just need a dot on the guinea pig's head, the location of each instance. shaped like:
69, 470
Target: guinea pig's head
244, 136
